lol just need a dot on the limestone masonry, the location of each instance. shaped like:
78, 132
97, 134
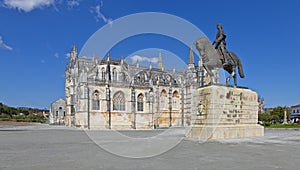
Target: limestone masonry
112, 94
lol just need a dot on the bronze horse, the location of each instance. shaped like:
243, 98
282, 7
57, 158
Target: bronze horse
212, 59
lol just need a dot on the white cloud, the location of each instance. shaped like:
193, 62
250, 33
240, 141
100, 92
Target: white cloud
67, 55
73, 3
28, 5
4, 46
136, 58
56, 55
100, 15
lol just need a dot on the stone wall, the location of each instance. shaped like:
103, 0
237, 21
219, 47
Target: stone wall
57, 112
125, 121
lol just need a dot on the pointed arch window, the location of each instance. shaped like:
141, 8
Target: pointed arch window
175, 100
119, 101
114, 74
140, 103
103, 73
96, 101
163, 100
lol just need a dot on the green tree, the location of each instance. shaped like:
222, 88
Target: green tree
265, 117
278, 113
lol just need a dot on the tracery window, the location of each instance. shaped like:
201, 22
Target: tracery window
163, 100
175, 100
103, 73
96, 101
119, 101
114, 74
140, 103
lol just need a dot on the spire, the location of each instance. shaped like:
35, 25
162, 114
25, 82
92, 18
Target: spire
160, 64
191, 60
74, 49
122, 59
108, 56
73, 56
191, 56
73, 53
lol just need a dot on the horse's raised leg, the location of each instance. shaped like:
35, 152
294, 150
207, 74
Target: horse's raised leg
209, 72
229, 77
235, 83
227, 80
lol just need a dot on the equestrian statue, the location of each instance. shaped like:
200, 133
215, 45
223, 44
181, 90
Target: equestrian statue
218, 57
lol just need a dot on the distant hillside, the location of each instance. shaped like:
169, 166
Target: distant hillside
8, 111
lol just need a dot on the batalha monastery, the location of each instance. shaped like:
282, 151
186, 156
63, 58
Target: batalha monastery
112, 94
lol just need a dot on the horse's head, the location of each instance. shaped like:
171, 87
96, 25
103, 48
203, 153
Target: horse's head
201, 44
207, 52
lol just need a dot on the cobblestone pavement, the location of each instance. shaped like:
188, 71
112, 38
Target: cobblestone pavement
36, 146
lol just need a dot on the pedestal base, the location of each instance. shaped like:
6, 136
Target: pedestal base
211, 132
225, 112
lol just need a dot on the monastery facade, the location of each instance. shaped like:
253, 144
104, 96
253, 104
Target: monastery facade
112, 94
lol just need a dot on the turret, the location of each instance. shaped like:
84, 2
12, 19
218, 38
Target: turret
73, 56
73, 52
67, 67
108, 57
122, 60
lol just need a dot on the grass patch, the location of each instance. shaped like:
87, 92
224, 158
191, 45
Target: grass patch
4, 119
283, 126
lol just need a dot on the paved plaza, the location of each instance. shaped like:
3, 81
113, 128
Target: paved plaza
36, 146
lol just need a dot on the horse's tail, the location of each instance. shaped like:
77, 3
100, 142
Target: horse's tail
240, 67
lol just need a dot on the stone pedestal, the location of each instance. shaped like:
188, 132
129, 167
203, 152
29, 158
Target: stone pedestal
225, 112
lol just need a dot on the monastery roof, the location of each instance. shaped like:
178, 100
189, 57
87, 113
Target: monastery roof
298, 105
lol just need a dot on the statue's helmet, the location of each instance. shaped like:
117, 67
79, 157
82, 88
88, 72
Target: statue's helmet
219, 25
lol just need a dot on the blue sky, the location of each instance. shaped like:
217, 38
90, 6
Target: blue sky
36, 35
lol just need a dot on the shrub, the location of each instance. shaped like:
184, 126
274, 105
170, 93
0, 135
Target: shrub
267, 124
264, 117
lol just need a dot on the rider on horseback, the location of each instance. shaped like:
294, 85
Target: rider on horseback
220, 44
